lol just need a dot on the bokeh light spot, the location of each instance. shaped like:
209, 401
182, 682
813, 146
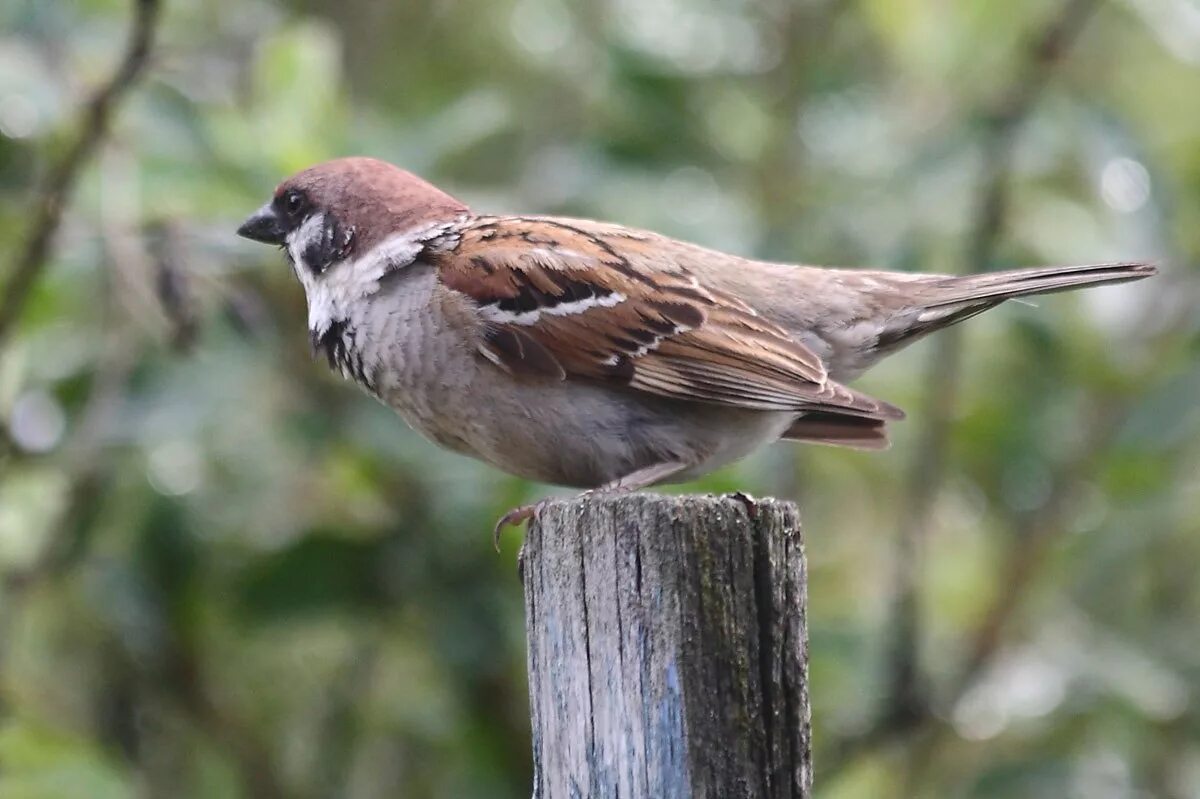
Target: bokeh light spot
37, 422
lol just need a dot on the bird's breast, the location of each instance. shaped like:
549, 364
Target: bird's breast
399, 346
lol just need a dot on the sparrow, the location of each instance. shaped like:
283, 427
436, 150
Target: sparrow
594, 355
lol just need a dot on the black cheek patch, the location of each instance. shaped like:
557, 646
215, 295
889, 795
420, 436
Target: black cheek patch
332, 245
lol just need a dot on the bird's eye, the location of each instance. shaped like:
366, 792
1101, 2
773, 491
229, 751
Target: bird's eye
293, 202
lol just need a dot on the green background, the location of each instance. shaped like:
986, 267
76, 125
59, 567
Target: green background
223, 572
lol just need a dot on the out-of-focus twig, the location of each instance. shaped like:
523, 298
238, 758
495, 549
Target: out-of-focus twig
173, 286
50, 201
906, 703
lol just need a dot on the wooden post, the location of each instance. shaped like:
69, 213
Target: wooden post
667, 649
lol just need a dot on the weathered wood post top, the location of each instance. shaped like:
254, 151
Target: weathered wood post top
667, 649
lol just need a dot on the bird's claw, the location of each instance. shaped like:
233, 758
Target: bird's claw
516, 516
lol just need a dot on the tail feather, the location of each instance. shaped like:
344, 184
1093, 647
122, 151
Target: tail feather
921, 305
856, 432
943, 301
906, 308
995, 287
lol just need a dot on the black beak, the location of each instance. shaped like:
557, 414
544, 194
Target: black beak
265, 226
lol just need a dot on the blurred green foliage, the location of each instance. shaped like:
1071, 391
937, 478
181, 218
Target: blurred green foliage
225, 573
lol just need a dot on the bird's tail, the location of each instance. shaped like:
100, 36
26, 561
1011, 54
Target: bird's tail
906, 307
839, 430
995, 287
944, 301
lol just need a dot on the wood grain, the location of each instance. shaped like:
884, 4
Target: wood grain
667, 649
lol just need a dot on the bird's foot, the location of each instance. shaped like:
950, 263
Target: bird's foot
517, 516
523, 513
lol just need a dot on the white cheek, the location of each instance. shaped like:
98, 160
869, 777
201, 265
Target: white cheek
334, 295
299, 239
320, 310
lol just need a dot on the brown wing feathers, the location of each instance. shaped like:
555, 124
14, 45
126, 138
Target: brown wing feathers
600, 304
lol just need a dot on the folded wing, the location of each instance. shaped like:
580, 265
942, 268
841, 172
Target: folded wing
570, 299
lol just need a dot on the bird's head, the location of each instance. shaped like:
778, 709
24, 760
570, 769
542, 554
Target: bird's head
344, 224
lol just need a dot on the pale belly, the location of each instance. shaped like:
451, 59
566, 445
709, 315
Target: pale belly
583, 435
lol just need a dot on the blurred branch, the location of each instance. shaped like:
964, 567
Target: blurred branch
52, 198
907, 701
173, 286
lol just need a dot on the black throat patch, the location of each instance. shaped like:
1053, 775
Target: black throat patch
337, 345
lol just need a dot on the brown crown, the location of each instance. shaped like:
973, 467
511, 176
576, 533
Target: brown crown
375, 197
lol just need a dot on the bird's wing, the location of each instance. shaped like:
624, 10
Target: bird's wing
571, 299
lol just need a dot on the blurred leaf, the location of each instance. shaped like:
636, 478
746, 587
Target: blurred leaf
39, 764
321, 573
298, 79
